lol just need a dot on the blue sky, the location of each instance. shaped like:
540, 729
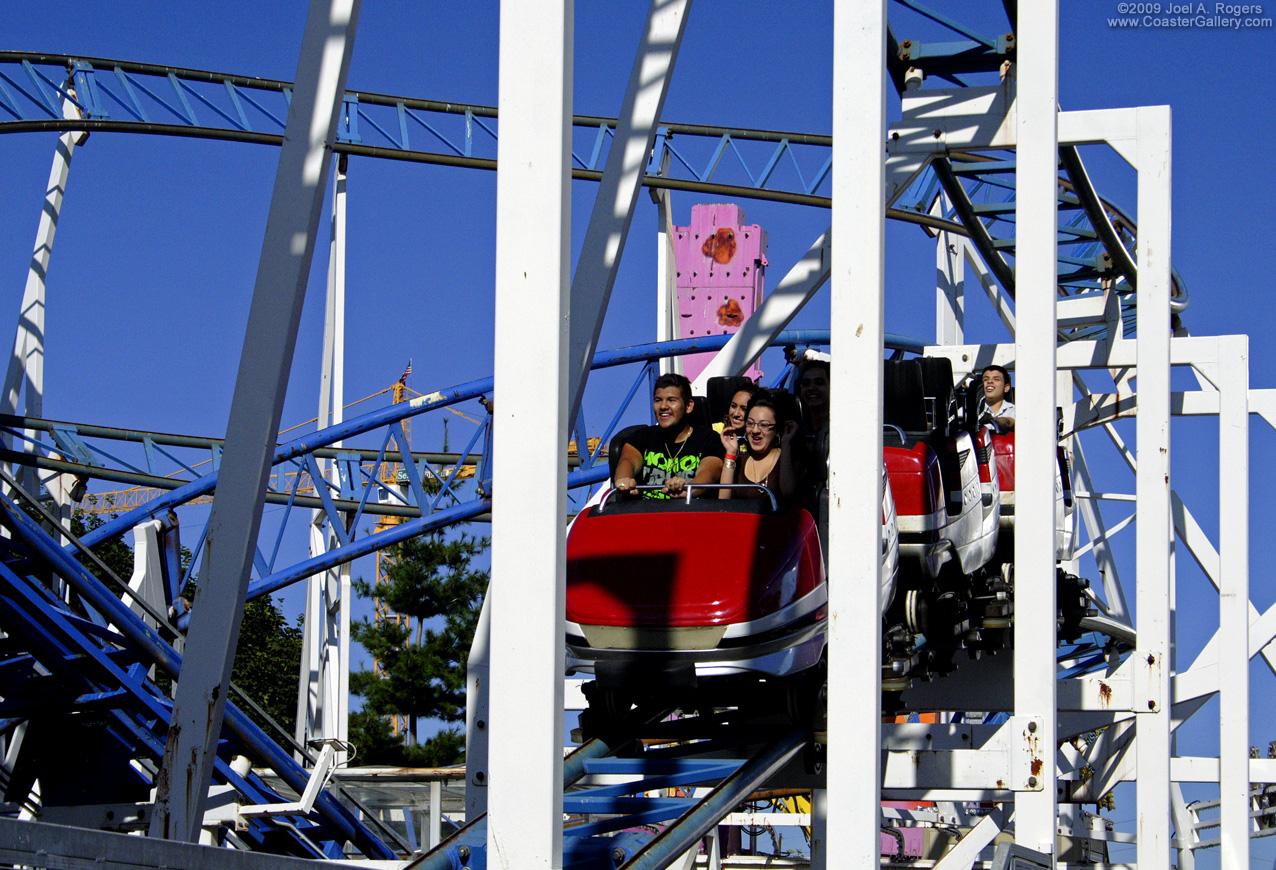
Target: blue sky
157, 249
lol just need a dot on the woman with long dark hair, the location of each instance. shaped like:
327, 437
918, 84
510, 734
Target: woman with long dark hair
770, 426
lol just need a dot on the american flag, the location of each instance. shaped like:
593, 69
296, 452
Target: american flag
403, 378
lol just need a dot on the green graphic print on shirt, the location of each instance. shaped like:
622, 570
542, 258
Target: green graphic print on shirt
658, 466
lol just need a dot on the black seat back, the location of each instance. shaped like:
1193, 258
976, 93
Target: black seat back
618, 442
904, 395
937, 386
700, 412
720, 391
973, 395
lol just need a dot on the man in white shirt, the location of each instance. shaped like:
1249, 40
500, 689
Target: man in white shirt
994, 405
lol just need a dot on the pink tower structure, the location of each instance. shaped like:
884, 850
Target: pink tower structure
721, 266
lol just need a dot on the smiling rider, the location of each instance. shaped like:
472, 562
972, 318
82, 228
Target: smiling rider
673, 451
994, 405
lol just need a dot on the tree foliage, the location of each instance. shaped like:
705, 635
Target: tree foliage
268, 655
432, 581
268, 662
114, 553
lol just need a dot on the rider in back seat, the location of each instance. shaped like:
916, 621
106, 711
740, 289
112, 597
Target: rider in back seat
770, 428
995, 406
675, 450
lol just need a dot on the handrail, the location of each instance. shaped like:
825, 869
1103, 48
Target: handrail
690, 486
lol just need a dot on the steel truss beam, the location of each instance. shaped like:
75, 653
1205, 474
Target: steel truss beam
109, 652
134, 95
362, 490
269, 340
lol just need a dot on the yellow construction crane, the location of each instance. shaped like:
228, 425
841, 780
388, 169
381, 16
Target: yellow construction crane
385, 558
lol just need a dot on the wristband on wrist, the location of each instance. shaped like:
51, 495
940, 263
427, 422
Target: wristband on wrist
729, 456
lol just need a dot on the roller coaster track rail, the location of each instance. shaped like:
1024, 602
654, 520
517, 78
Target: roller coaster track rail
966, 193
430, 493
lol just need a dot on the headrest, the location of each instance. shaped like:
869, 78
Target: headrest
720, 391
937, 384
904, 394
618, 442
699, 415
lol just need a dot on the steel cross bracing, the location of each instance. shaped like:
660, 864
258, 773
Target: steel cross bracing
79, 702
439, 490
1096, 238
1126, 690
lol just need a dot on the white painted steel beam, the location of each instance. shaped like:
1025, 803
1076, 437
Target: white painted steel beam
323, 692
25, 371
945, 120
819, 829
1036, 258
855, 456
1081, 355
477, 712
964, 854
621, 185
1154, 533
533, 236
287, 249
1234, 605
950, 289
1182, 817
666, 276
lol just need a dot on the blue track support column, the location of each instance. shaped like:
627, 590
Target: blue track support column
251, 433
621, 184
857, 321
529, 450
1036, 435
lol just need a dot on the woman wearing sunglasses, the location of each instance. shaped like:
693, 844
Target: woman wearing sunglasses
769, 429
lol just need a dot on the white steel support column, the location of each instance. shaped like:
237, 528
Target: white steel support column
477, 706
819, 829
1063, 398
666, 278
26, 363
855, 457
1154, 533
1234, 606
1036, 179
621, 184
533, 235
333, 367
950, 289
323, 693
293, 223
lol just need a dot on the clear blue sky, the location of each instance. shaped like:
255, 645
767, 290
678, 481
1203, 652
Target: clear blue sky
157, 249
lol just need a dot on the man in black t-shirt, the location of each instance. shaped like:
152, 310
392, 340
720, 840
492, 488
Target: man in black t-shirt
673, 451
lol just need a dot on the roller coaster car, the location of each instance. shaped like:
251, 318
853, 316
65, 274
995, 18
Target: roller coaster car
1064, 504
944, 482
669, 592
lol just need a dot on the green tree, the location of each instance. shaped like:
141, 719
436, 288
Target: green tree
267, 661
114, 553
432, 581
268, 654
